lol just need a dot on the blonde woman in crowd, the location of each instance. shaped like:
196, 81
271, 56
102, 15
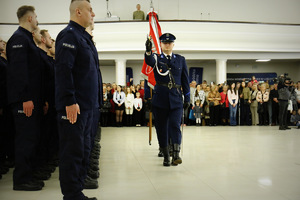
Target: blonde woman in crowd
254, 104
129, 106
262, 99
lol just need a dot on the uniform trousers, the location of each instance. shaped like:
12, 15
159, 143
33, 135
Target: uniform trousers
275, 112
26, 142
74, 152
167, 124
283, 113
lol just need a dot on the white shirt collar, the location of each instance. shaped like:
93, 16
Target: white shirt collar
168, 55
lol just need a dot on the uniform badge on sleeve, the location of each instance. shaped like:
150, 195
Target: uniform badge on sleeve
71, 46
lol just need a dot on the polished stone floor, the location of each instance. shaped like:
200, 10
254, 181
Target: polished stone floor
219, 163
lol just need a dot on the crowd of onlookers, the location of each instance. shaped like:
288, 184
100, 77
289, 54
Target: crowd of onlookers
242, 103
237, 103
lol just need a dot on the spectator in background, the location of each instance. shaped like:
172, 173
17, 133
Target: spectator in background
245, 105
298, 93
119, 99
238, 109
275, 105
133, 91
253, 80
233, 98
254, 104
197, 112
262, 99
295, 118
138, 14
106, 107
214, 99
138, 105
199, 94
224, 103
129, 97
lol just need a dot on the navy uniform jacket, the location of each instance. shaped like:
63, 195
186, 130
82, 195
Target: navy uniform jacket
77, 74
24, 72
3, 93
163, 97
48, 77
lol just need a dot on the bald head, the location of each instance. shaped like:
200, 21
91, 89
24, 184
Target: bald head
81, 12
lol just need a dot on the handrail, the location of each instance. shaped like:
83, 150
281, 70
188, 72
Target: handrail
204, 21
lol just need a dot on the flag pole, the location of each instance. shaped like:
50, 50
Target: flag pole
150, 119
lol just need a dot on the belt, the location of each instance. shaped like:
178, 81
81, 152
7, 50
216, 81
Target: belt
170, 85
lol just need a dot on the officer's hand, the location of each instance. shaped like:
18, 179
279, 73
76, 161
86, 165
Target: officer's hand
27, 108
148, 45
186, 105
72, 112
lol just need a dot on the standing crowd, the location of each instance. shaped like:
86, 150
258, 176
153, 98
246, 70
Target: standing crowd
245, 103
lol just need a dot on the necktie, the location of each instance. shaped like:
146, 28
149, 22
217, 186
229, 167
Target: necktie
169, 59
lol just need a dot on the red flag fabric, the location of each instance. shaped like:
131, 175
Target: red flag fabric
155, 33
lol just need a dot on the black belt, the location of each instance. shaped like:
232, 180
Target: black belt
170, 85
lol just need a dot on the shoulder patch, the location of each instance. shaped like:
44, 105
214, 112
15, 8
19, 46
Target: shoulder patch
17, 46
71, 46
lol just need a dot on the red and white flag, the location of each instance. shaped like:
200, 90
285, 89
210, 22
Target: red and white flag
155, 33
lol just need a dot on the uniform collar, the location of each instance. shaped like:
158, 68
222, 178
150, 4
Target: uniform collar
77, 26
166, 55
28, 33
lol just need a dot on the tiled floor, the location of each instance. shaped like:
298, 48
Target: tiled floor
219, 163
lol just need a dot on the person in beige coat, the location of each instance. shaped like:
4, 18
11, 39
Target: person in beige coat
262, 98
253, 105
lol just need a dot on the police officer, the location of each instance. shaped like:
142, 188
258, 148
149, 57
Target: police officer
284, 95
24, 94
49, 138
77, 95
3, 105
171, 74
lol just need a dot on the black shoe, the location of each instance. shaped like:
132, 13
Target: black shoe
94, 167
281, 128
287, 128
166, 155
90, 184
160, 153
3, 170
39, 182
9, 163
176, 159
91, 198
31, 186
298, 127
93, 174
41, 175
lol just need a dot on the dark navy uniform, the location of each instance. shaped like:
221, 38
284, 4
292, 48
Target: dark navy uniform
77, 81
24, 83
3, 103
49, 138
167, 101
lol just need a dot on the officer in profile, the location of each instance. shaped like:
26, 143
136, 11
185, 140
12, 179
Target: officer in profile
77, 94
24, 86
171, 75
